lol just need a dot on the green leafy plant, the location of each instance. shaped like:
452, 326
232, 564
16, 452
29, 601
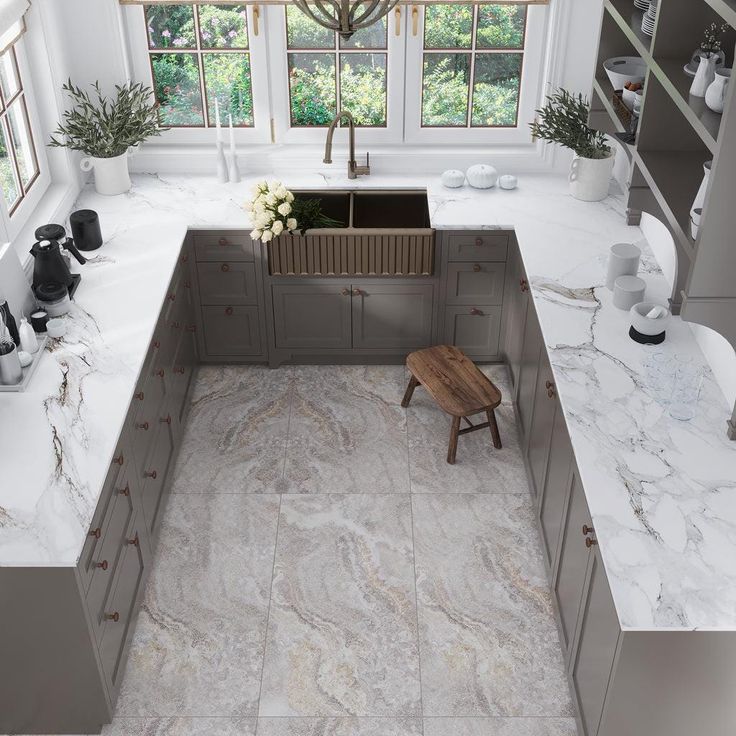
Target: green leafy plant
308, 213
564, 120
103, 127
713, 38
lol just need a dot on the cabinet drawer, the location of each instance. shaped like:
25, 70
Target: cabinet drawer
225, 246
121, 466
155, 471
475, 283
477, 247
227, 283
475, 330
183, 374
121, 511
121, 608
232, 330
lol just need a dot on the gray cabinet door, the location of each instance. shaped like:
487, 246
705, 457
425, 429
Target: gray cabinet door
392, 315
232, 331
475, 283
313, 316
540, 428
516, 296
528, 370
556, 488
478, 246
155, 472
475, 330
596, 647
573, 561
227, 283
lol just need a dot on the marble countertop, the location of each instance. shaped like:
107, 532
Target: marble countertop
662, 493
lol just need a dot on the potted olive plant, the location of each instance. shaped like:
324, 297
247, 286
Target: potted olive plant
104, 129
564, 120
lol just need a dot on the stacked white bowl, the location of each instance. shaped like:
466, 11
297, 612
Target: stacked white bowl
649, 19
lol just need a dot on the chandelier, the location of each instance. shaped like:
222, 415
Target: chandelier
345, 16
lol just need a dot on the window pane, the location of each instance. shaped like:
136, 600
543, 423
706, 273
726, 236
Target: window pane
223, 26
448, 26
176, 82
363, 87
7, 175
170, 26
496, 89
446, 78
21, 135
303, 33
372, 37
501, 26
9, 75
227, 78
313, 89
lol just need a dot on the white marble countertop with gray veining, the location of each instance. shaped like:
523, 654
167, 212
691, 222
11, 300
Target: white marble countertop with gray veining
662, 493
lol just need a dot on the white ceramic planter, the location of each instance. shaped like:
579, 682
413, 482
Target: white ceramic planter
111, 174
590, 177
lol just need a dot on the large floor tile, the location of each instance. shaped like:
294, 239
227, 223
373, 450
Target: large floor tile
342, 636
198, 646
500, 727
235, 438
348, 431
479, 468
181, 727
339, 727
489, 644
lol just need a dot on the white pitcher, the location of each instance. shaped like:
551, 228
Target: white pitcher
715, 96
704, 76
591, 177
111, 174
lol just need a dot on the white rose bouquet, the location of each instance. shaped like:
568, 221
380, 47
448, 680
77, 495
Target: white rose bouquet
270, 210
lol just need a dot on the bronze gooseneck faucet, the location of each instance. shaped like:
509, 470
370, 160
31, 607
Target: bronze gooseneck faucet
353, 169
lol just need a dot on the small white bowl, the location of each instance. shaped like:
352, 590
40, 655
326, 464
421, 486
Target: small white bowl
56, 328
624, 69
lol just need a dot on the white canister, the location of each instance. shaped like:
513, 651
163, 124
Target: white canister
623, 260
591, 177
627, 291
715, 95
11, 372
111, 174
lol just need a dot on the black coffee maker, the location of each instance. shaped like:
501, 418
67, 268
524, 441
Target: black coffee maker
50, 266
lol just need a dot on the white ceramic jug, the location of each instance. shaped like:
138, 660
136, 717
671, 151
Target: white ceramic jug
715, 95
704, 76
111, 174
591, 177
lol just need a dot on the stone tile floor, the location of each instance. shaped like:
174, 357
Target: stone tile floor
322, 571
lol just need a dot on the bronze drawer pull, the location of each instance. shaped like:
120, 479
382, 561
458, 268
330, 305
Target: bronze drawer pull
166, 419
102, 565
125, 491
150, 474
135, 542
550, 389
524, 284
223, 241
590, 542
96, 532
160, 372
475, 312
225, 267
229, 311
587, 530
476, 267
179, 370
345, 292
119, 460
140, 396
183, 259
479, 242
142, 425
551, 393
171, 296
156, 344
112, 617
358, 292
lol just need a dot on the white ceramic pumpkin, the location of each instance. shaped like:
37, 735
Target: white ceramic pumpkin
482, 176
452, 178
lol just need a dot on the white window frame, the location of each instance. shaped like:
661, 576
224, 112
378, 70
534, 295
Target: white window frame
530, 90
135, 27
13, 224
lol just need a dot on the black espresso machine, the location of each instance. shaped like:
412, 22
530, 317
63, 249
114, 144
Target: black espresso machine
50, 268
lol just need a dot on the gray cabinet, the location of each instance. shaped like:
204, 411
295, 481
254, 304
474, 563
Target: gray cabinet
227, 283
516, 295
475, 330
388, 315
528, 369
540, 426
477, 246
314, 316
598, 635
231, 331
475, 283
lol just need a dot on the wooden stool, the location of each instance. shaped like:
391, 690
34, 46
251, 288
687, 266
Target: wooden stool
458, 387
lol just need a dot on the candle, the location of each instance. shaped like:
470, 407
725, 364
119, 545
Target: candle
232, 134
217, 121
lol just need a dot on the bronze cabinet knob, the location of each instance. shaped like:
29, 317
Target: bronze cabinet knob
587, 530
115, 616
589, 542
223, 241
140, 396
476, 267
225, 267
171, 296
357, 292
142, 425
150, 474
476, 312
96, 532
119, 460
345, 292
229, 311
135, 542
160, 372
156, 344
166, 419
479, 242
524, 284
179, 370
102, 565
184, 259
125, 491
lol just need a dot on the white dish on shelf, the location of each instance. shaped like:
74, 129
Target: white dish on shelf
641, 4
624, 69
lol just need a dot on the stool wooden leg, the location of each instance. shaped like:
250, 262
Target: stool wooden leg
452, 449
494, 428
413, 383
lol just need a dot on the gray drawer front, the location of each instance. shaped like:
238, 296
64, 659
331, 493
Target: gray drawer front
232, 331
225, 246
227, 283
477, 247
155, 472
475, 332
475, 283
